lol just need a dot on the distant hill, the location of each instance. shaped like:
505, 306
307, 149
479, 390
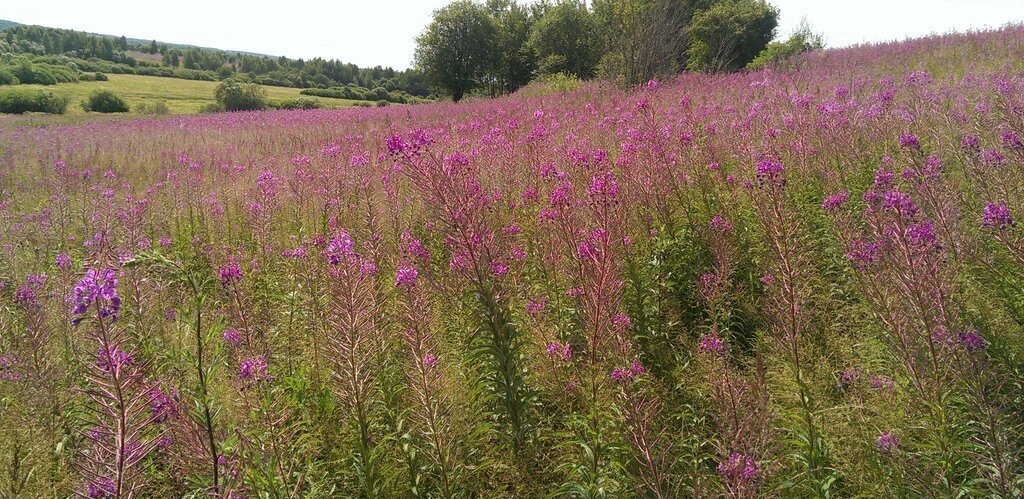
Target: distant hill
4, 24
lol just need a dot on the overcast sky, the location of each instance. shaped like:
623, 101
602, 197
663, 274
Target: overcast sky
372, 32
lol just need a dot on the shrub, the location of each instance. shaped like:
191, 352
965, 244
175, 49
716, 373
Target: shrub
7, 77
155, 107
105, 101
555, 83
382, 103
235, 95
299, 103
101, 77
802, 40
20, 101
213, 107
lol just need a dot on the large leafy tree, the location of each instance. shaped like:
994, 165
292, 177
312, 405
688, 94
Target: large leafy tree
565, 39
643, 39
514, 62
456, 51
730, 33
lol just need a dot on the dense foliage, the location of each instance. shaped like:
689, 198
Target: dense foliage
234, 95
801, 282
20, 101
105, 101
494, 47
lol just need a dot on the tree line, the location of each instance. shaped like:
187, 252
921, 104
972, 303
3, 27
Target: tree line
498, 46
87, 50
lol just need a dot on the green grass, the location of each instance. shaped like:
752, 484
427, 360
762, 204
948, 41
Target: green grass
181, 96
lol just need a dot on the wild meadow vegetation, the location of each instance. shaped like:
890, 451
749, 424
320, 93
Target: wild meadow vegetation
804, 281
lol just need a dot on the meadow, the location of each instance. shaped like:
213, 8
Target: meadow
181, 96
798, 282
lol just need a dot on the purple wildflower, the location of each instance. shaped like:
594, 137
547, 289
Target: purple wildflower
720, 224
850, 376
997, 217
230, 273
770, 172
406, 277
97, 287
909, 140
887, 441
880, 381
739, 467
63, 261
971, 340
835, 201
232, 336
8, 363
341, 246
711, 343
254, 369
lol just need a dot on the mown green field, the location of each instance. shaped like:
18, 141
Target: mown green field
181, 96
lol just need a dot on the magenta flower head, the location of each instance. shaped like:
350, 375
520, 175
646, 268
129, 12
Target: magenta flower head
232, 336
254, 369
900, 202
909, 141
770, 172
880, 382
26, 296
230, 273
163, 405
339, 247
887, 441
620, 374
997, 217
429, 360
711, 343
1011, 139
970, 143
850, 376
835, 201
63, 261
113, 360
971, 341
720, 224
97, 288
406, 277
101, 488
739, 468
8, 367
603, 188
922, 234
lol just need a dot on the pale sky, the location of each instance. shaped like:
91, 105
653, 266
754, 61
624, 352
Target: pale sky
372, 32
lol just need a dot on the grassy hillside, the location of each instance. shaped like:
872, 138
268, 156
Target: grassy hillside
181, 96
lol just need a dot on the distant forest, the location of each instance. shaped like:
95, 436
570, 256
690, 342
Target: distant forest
80, 51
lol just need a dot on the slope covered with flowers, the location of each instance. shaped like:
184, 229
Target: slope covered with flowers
798, 282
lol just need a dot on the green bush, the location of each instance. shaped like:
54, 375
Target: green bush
554, 83
235, 95
7, 77
156, 107
101, 77
213, 107
803, 40
20, 101
105, 101
382, 103
299, 103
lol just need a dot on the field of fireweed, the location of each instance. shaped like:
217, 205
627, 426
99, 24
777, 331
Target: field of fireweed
805, 282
